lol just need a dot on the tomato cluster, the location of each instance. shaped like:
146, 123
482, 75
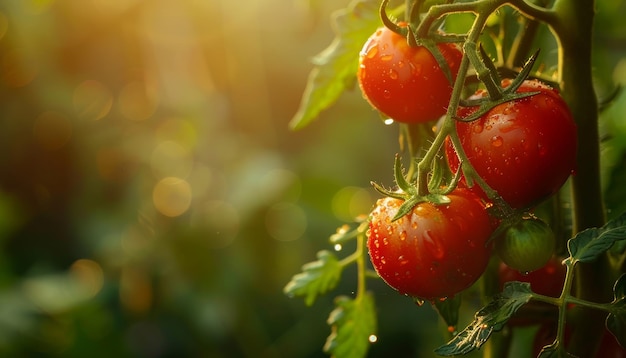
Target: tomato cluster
524, 149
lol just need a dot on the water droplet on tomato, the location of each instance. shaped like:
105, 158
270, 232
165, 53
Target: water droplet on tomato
414, 224
496, 141
477, 128
403, 235
402, 260
371, 52
386, 94
400, 64
416, 69
386, 58
393, 74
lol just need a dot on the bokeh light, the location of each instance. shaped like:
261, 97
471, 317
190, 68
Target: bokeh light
172, 196
92, 100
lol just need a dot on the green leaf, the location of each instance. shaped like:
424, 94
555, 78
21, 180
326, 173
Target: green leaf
316, 278
589, 244
616, 320
490, 318
336, 66
353, 323
449, 310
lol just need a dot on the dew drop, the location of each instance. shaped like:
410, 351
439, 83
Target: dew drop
496, 141
338, 247
477, 128
343, 229
386, 94
372, 338
386, 58
388, 121
393, 74
416, 69
372, 52
403, 235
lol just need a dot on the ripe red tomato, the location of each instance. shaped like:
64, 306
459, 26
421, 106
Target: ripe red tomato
404, 82
526, 245
609, 347
524, 149
433, 252
547, 281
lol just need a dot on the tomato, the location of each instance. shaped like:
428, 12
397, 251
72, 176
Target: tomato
524, 149
526, 245
433, 252
609, 347
404, 82
547, 281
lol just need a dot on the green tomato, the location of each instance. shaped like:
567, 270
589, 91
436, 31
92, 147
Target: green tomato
526, 245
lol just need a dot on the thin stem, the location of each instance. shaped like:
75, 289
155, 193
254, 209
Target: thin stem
360, 264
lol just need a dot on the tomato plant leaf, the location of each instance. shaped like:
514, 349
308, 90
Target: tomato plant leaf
336, 66
316, 278
353, 323
449, 310
588, 244
488, 319
616, 320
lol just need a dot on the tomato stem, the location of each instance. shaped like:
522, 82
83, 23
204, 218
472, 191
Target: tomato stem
573, 26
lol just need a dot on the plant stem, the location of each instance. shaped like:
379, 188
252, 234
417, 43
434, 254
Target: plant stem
360, 264
573, 27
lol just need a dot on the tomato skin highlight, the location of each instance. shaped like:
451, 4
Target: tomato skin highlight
404, 82
435, 251
524, 149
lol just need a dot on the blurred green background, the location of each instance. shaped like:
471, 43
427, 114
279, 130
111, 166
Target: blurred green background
153, 202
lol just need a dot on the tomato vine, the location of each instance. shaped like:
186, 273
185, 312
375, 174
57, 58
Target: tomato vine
591, 284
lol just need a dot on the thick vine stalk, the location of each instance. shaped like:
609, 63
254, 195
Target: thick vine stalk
573, 26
